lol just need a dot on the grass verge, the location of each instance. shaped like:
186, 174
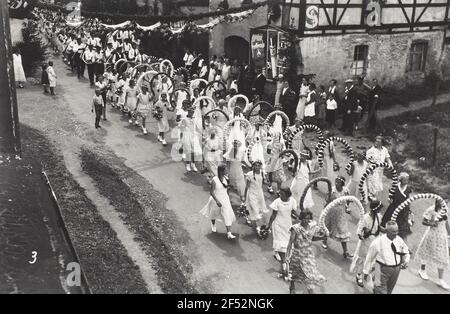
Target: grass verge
143, 211
104, 260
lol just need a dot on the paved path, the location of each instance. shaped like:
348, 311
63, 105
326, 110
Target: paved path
242, 266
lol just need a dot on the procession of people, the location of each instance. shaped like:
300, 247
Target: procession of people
221, 123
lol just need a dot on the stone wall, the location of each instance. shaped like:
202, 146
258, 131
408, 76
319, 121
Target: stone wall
241, 29
332, 56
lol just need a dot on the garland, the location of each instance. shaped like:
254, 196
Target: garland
370, 171
321, 147
303, 127
310, 184
272, 114
411, 199
339, 201
154, 19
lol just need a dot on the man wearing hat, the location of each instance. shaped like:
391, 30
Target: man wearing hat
89, 58
288, 101
369, 230
259, 83
350, 106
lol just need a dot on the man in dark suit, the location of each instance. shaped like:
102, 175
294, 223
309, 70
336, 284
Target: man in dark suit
245, 80
350, 106
259, 83
288, 101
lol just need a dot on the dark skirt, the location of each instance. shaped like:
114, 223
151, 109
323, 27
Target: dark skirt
44, 78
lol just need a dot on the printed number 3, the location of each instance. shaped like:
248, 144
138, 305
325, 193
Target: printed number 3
34, 257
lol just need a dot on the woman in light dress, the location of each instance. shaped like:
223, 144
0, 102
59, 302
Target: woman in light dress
433, 249
131, 98
219, 205
162, 106
19, 73
329, 158
357, 170
304, 91
143, 106
212, 154
377, 154
300, 253
121, 88
370, 229
235, 155
337, 219
281, 222
190, 137
301, 180
254, 195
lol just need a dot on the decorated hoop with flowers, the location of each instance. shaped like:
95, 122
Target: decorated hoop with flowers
244, 123
259, 111
182, 71
196, 83
313, 182
176, 93
310, 127
123, 66
233, 100
214, 113
163, 67
370, 171
156, 84
154, 66
339, 201
145, 80
268, 122
213, 88
139, 69
348, 149
200, 102
414, 198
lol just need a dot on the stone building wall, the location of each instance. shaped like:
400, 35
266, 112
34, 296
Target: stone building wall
241, 29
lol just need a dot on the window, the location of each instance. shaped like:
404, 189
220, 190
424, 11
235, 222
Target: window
418, 56
360, 61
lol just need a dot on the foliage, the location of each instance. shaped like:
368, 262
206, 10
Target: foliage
32, 48
417, 129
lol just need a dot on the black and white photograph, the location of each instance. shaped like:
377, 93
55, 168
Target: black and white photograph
224, 152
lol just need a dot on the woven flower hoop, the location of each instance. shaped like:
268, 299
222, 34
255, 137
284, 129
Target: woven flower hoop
414, 198
370, 171
322, 145
310, 127
313, 182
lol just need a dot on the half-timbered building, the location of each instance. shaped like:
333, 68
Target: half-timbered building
399, 42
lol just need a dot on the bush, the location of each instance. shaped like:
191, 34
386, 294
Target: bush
32, 48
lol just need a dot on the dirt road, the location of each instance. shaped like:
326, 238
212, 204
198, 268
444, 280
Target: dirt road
245, 265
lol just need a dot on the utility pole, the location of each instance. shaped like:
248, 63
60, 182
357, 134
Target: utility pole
9, 118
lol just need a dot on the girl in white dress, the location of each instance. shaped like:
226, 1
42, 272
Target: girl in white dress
301, 180
212, 154
357, 170
121, 91
190, 137
131, 100
433, 249
161, 107
19, 73
281, 222
329, 155
377, 154
254, 195
219, 205
143, 106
